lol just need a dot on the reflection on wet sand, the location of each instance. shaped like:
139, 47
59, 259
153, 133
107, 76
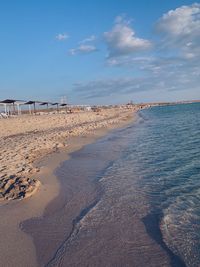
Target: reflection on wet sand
97, 218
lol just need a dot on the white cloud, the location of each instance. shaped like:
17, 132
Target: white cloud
83, 49
159, 79
62, 36
85, 46
170, 67
181, 30
182, 21
129, 61
107, 87
121, 40
88, 39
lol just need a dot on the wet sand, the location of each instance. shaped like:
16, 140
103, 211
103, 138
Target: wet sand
24, 139
79, 227
69, 222
16, 247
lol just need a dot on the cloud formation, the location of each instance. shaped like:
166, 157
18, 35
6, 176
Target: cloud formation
171, 65
88, 39
175, 56
62, 36
182, 21
121, 40
180, 29
83, 49
105, 87
161, 81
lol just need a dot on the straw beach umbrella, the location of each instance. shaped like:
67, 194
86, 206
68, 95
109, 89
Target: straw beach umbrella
45, 104
9, 102
64, 105
55, 104
29, 103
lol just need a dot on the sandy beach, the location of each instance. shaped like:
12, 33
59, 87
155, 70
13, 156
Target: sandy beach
28, 164
24, 139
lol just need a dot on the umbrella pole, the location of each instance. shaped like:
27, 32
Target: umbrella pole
13, 108
29, 106
18, 109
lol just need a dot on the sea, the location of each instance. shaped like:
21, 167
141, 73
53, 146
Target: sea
145, 204
168, 160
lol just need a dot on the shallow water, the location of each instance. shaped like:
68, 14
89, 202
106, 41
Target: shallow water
130, 199
170, 169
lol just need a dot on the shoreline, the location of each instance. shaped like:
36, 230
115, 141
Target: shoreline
17, 243
24, 140
71, 207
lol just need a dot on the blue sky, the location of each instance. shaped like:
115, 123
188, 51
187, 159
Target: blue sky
100, 51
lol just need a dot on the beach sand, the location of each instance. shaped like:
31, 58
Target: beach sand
24, 139
30, 140
90, 224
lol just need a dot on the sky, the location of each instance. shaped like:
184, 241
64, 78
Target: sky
100, 51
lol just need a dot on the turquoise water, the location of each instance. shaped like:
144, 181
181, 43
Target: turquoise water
164, 152
168, 159
163, 159
157, 176
130, 199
